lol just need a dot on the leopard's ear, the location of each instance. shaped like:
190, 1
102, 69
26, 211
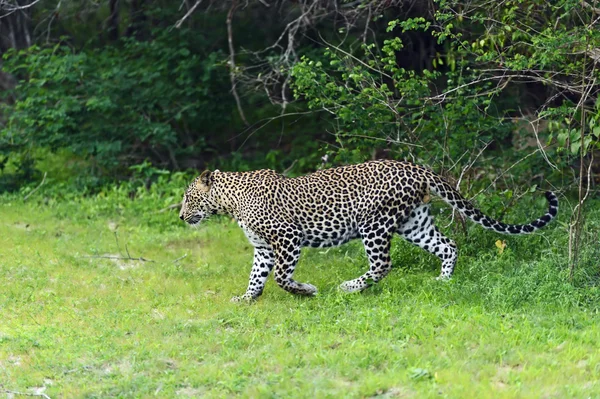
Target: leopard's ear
204, 181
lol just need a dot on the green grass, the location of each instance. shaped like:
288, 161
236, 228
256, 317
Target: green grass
508, 325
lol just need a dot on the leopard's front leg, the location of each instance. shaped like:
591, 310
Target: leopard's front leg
264, 260
287, 254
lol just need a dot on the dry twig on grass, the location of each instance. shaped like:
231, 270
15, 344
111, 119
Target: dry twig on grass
115, 257
9, 392
180, 258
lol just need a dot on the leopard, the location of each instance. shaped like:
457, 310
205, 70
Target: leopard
370, 201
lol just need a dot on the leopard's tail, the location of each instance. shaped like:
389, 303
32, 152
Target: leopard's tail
442, 189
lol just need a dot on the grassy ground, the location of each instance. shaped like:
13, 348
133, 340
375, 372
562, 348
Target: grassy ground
508, 325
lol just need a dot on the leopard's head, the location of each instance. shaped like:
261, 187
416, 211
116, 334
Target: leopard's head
198, 201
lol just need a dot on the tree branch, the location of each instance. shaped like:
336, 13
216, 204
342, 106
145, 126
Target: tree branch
587, 5
187, 14
4, 5
285, 172
232, 69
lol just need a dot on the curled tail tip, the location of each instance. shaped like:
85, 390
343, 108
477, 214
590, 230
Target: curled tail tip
524, 228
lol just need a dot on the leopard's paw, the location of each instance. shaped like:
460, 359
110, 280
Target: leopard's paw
353, 286
243, 298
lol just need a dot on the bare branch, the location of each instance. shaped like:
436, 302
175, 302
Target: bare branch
576, 223
470, 165
187, 14
355, 58
7, 6
587, 5
534, 127
505, 171
232, 70
594, 54
52, 17
285, 172
533, 76
462, 173
115, 257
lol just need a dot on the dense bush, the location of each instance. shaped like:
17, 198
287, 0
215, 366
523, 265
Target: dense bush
506, 91
117, 105
496, 69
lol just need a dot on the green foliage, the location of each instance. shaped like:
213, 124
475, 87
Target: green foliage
474, 91
378, 105
161, 97
116, 105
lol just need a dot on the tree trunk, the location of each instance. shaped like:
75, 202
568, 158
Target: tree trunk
15, 30
137, 19
113, 28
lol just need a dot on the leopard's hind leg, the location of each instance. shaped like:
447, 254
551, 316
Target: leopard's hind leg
420, 230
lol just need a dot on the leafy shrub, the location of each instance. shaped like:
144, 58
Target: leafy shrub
118, 105
470, 97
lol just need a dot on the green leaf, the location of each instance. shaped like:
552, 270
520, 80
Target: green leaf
562, 137
533, 188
